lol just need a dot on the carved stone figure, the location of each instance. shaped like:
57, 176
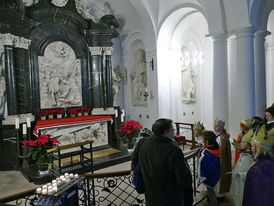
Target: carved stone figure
29, 2
139, 79
59, 77
2, 84
115, 86
188, 78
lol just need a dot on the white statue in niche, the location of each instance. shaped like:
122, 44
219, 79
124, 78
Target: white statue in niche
116, 79
188, 77
59, 77
2, 84
139, 79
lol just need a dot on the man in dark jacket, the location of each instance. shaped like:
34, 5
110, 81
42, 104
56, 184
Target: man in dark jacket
163, 166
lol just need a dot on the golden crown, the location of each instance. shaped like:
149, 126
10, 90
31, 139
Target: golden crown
262, 138
248, 136
219, 123
198, 126
247, 122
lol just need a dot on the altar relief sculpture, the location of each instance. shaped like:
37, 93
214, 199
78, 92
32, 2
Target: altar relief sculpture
80, 133
59, 77
139, 79
188, 77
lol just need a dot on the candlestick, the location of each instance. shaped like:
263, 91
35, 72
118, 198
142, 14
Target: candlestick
24, 129
28, 122
17, 123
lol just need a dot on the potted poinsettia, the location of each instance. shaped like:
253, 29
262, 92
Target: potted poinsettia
129, 132
43, 114
37, 149
51, 113
86, 111
72, 112
79, 111
59, 113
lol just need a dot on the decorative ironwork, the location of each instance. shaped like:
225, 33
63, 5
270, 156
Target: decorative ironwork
110, 189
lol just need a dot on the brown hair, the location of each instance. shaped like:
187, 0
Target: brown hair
210, 137
270, 110
160, 126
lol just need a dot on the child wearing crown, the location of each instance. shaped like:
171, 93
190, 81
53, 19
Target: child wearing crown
197, 130
245, 125
209, 164
224, 184
259, 182
243, 164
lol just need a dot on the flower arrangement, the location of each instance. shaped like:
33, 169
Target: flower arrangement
79, 109
86, 109
72, 110
43, 113
59, 111
129, 131
37, 149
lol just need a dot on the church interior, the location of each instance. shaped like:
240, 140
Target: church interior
74, 72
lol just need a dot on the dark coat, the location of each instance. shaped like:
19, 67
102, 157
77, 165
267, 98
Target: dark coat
165, 172
259, 183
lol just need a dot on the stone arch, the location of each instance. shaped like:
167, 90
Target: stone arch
175, 32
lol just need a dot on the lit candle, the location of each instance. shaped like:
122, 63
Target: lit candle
17, 123
44, 191
28, 122
24, 129
38, 190
76, 176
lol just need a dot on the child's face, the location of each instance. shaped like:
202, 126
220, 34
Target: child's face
205, 142
197, 133
244, 145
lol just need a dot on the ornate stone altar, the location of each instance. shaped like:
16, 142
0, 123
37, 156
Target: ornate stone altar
56, 54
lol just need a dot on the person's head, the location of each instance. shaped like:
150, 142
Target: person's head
245, 124
208, 138
145, 132
257, 122
269, 114
262, 142
163, 127
198, 127
219, 125
245, 146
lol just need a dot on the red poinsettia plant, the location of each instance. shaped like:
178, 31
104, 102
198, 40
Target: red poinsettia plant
59, 111
43, 113
86, 109
129, 131
37, 149
79, 109
72, 110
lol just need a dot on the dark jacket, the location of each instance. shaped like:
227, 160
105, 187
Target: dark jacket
259, 183
165, 172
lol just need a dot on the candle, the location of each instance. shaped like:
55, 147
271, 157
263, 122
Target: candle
116, 113
54, 189
28, 122
38, 190
44, 187
24, 129
44, 191
71, 175
17, 123
54, 185
76, 176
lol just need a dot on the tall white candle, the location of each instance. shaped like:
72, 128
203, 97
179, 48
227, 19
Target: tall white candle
116, 113
17, 123
28, 122
24, 129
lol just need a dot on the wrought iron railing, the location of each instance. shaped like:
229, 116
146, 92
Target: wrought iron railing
112, 188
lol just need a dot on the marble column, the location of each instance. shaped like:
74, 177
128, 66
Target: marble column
219, 107
96, 77
259, 69
22, 75
8, 42
108, 76
245, 73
